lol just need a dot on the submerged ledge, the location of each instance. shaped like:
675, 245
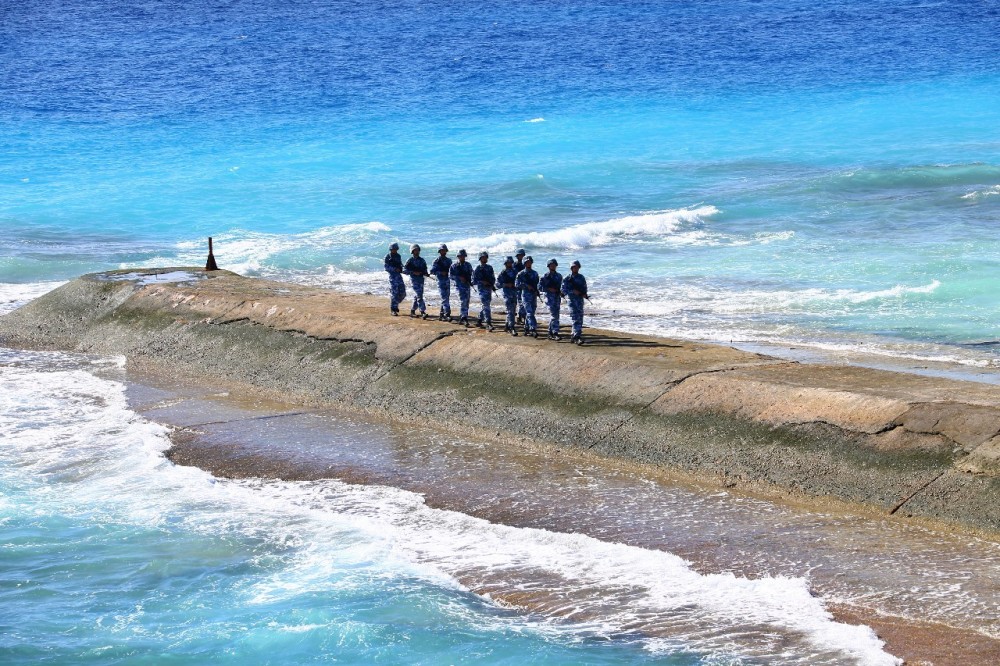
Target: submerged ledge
900, 444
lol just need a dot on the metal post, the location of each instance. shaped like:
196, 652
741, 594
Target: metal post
210, 265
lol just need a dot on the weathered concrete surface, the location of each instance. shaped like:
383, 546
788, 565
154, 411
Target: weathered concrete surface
904, 444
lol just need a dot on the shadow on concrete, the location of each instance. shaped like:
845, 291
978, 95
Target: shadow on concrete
590, 340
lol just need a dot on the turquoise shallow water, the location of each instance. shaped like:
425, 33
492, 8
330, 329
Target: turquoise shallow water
819, 175
841, 161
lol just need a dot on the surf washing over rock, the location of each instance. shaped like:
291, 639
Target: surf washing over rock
86, 464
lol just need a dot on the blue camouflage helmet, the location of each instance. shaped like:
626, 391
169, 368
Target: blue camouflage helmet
576, 263
528, 258
394, 246
508, 260
442, 246
462, 253
485, 254
520, 252
414, 248
552, 262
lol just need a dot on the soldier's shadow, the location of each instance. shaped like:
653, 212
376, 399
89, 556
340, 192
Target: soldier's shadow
615, 341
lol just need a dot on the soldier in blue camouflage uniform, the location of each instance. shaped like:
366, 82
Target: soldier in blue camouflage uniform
485, 281
440, 269
574, 287
550, 284
527, 284
461, 275
416, 268
518, 267
507, 280
393, 264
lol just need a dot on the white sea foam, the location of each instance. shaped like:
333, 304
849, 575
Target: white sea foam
13, 296
982, 194
72, 443
726, 301
591, 234
535, 120
248, 251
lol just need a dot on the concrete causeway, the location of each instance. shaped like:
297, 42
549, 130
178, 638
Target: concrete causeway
897, 443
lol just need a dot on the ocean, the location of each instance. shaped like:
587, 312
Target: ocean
823, 176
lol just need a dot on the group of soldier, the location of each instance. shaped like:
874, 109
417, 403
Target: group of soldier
520, 285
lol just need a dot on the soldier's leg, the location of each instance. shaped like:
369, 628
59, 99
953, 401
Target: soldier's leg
444, 290
511, 304
530, 323
485, 297
521, 312
418, 298
576, 311
400, 292
463, 296
397, 292
553, 315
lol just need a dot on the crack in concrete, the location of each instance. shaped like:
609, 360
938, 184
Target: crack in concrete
900, 504
671, 386
240, 304
440, 336
251, 418
294, 331
635, 414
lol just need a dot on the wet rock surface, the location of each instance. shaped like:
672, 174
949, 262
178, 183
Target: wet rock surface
905, 444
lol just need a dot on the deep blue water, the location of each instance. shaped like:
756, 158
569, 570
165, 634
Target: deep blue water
819, 174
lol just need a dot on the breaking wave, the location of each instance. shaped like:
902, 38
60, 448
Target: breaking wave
13, 296
76, 448
593, 234
248, 251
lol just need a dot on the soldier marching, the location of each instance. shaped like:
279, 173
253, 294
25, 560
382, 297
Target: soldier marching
517, 283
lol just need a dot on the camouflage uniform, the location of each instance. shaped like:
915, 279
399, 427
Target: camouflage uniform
440, 269
393, 264
416, 268
518, 267
552, 298
527, 283
575, 283
461, 275
507, 279
485, 280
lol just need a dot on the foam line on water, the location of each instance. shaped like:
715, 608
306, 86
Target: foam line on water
729, 301
982, 194
13, 296
245, 251
630, 589
657, 224
73, 445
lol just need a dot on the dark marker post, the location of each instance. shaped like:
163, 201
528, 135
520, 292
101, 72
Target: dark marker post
210, 265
